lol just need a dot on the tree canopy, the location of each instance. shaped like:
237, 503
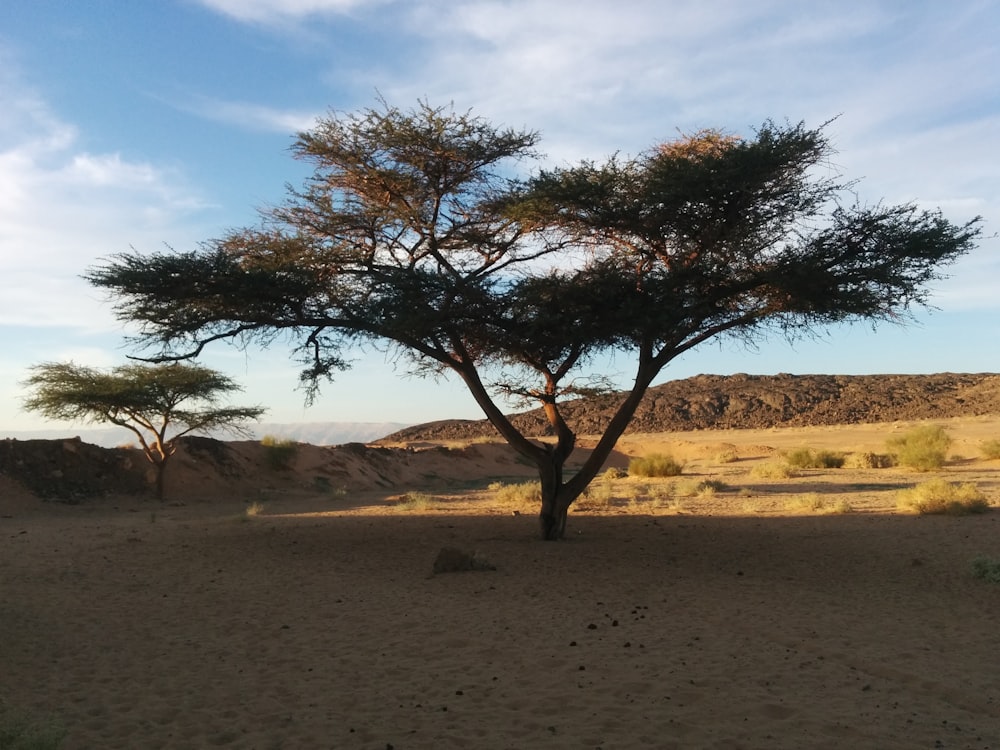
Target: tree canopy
159, 403
416, 230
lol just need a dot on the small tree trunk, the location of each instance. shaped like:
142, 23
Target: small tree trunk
161, 469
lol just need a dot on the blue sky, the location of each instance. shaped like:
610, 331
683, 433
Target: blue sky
161, 123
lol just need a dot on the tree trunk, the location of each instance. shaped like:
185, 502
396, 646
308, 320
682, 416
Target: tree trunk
555, 497
161, 468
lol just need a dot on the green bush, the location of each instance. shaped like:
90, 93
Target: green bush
986, 569
923, 448
990, 449
20, 732
807, 458
279, 453
938, 497
655, 465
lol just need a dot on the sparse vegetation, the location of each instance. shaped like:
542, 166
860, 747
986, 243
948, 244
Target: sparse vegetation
655, 465
516, 496
807, 458
990, 449
869, 460
938, 497
923, 448
254, 509
18, 731
279, 453
416, 501
986, 569
773, 470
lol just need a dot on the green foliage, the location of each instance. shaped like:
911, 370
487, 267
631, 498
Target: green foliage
986, 569
923, 448
807, 458
655, 465
990, 449
938, 497
18, 731
279, 453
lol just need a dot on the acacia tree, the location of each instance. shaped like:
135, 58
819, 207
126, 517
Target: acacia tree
153, 401
413, 231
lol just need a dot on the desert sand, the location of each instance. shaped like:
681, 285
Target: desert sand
743, 619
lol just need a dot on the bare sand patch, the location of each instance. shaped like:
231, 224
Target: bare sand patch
731, 620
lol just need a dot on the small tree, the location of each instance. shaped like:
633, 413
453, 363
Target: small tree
412, 231
153, 401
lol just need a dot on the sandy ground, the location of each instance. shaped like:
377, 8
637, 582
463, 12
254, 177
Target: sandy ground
739, 620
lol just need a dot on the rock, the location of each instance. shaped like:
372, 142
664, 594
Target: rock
454, 560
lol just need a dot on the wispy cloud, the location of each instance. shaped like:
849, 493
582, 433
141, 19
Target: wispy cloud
249, 115
62, 207
264, 11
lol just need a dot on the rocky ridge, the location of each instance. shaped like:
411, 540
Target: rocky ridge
757, 402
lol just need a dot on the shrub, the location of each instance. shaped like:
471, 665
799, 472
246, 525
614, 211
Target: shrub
990, 449
937, 497
923, 448
704, 488
808, 501
416, 501
517, 495
254, 509
986, 569
727, 455
20, 732
655, 465
869, 460
772, 470
807, 458
279, 453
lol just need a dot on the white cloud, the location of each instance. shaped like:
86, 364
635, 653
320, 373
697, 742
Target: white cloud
62, 208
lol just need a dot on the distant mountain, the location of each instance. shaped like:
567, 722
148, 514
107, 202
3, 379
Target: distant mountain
708, 402
315, 433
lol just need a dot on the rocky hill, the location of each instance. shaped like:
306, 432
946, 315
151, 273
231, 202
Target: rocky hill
758, 402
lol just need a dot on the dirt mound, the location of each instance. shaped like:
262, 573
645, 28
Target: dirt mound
758, 402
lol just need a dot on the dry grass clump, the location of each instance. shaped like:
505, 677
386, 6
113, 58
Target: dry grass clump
773, 470
525, 495
990, 449
923, 448
254, 509
807, 458
938, 497
868, 460
655, 465
279, 453
415, 501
